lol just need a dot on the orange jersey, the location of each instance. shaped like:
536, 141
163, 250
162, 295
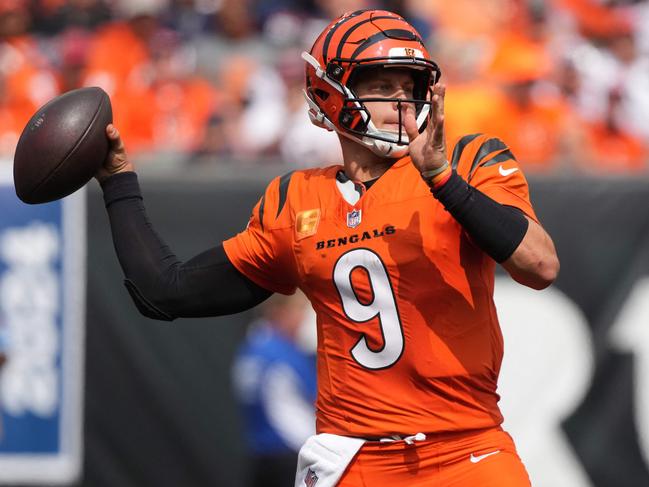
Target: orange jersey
408, 338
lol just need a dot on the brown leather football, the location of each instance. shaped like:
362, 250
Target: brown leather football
62, 146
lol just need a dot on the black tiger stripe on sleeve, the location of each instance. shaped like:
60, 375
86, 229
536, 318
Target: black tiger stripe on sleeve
283, 191
278, 188
459, 148
491, 145
262, 204
506, 155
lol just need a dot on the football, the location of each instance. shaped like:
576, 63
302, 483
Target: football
62, 146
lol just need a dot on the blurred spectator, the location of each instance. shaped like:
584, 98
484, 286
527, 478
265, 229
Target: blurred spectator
222, 134
12, 120
610, 149
471, 100
607, 59
302, 143
215, 142
118, 55
234, 19
468, 19
26, 80
415, 15
274, 377
539, 126
329, 9
72, 57
267, 113
179, 103
497, 63
191, 18
639, 12
262, 117
234, 35
158, 101
249, 118
211, 77
54, 16
284, 28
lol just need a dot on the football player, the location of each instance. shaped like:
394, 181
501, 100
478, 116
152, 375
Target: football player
396, 250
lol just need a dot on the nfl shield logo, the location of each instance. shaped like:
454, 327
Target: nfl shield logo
354, 218
311, 478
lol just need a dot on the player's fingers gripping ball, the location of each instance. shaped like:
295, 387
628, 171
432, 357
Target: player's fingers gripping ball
117, 158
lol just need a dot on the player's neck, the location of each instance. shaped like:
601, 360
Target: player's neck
360, 163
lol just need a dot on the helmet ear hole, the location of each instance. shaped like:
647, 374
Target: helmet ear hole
322, 94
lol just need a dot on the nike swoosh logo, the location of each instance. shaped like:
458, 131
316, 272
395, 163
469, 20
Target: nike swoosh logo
506, 172
476, 459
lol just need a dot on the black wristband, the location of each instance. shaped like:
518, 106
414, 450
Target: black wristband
120, 186
497, 229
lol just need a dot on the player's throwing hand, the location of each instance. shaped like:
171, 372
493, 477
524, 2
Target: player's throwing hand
117, 159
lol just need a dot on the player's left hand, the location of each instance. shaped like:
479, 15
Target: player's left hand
428, 149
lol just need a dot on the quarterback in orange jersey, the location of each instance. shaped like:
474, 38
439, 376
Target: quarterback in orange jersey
396, 251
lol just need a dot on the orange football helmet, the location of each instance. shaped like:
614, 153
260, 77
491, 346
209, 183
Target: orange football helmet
347, 46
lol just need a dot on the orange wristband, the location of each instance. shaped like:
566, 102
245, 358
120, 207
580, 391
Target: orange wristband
437, 177
439, 181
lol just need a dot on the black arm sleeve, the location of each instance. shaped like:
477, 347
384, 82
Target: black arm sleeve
161, 286
497, 229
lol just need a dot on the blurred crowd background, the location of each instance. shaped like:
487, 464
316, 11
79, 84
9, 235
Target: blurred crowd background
218, 82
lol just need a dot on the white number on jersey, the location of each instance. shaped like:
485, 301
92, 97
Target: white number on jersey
383, 306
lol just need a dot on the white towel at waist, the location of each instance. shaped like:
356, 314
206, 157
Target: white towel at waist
323, 459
